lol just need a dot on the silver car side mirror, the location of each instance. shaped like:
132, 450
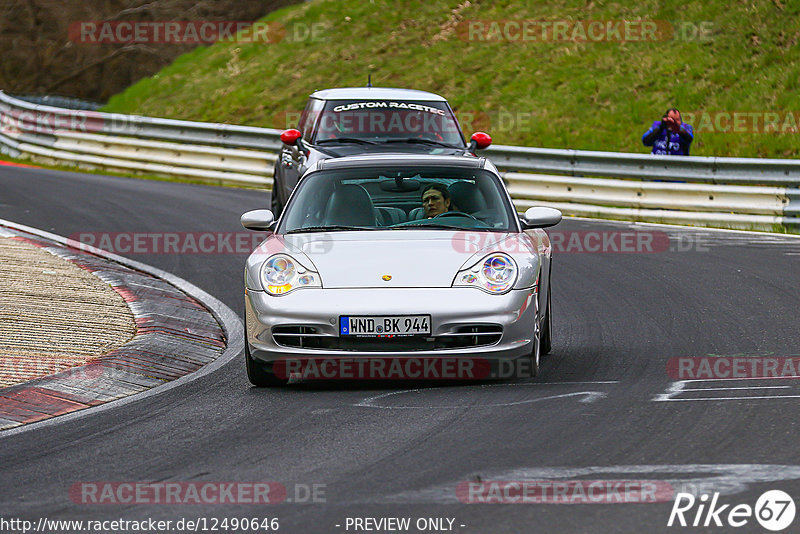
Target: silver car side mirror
541, 217
258, 220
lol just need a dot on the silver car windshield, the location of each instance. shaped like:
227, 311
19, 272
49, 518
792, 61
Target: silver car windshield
399, 198
382, 121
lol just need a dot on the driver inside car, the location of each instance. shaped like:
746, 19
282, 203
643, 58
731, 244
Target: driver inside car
435, 200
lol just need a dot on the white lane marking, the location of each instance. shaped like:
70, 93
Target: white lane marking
563, 383
697, 479
675, 388
736, 398
726, 389
679, 387
742, 378
588, 397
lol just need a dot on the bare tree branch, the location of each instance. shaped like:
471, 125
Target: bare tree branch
146, 7
119, 51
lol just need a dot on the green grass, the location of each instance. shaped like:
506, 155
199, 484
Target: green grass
589, 95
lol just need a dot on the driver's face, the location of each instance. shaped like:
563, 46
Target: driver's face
434, 203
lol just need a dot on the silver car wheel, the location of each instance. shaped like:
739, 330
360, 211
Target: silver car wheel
257, 374
547, 328
536, 352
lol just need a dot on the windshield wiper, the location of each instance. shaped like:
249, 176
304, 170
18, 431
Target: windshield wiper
347, 140
436, 225
331, 228
417, 140
425, 225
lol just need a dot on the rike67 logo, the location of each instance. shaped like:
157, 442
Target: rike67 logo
774, 510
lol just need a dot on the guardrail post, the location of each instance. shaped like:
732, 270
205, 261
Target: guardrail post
792, 209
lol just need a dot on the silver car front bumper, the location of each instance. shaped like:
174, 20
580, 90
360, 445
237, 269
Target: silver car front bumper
451, 309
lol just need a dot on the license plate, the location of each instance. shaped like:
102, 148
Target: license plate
394, 325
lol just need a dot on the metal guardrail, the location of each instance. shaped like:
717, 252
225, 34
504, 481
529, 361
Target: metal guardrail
673, 203
704, 191
49, 118
713, 170
131, 143
747, 193
60, 102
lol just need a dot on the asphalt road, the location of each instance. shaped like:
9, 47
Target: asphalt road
601, 410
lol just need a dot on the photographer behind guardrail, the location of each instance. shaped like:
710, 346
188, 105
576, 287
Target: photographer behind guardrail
669, 136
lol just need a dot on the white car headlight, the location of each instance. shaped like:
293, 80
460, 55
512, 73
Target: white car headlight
281, 274
496, 274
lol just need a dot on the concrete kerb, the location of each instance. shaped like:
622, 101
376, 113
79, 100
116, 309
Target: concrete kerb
229, 322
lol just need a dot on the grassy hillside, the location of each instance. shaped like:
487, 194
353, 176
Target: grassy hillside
43, 52
593, 95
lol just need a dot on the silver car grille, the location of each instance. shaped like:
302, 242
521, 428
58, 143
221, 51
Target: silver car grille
463, 336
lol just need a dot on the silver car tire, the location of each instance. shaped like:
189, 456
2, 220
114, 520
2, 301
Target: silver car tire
257, 374
536, 352
547, 327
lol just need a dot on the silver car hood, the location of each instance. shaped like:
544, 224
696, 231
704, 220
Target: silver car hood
412, 258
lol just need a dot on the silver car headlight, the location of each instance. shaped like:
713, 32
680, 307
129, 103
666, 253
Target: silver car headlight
281, 274
495, 274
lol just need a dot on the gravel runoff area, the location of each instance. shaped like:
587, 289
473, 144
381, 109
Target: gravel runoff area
54, 314
83, 328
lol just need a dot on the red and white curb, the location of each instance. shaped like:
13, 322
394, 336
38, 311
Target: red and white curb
182, 333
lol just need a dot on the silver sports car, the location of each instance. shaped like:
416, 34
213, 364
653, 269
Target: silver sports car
398, 266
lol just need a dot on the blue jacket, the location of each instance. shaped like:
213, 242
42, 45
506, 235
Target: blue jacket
665, 142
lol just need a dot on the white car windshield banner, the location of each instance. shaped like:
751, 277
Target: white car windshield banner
388, 105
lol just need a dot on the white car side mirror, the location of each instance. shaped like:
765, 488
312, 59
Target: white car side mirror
258, 220
541, 217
